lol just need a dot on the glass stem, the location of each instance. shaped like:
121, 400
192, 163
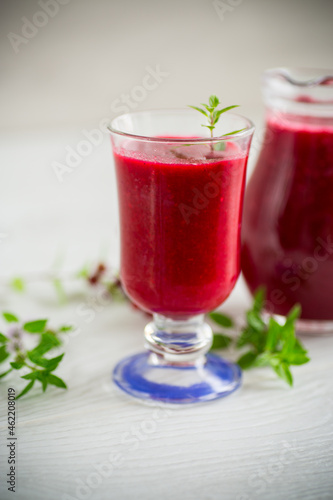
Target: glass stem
178, 341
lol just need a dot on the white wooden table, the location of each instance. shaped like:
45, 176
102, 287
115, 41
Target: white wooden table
265, 441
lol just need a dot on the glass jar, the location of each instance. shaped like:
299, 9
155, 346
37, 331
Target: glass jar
287, 241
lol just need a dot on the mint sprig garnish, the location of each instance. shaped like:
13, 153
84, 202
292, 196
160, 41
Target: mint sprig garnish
97, 275
221, 340
213, 115
268, 344
37, 361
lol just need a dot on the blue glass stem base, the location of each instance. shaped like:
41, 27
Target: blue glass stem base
149, 376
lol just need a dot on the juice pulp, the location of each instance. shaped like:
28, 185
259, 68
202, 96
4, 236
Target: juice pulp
288, 218
180, 219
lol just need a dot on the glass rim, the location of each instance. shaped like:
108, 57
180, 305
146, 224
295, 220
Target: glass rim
248, 130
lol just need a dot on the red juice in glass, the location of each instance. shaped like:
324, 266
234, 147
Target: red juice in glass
180, 222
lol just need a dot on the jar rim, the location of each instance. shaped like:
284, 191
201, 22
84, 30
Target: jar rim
303, 91
300, 77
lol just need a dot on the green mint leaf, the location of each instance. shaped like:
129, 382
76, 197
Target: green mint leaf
17, 365
26, 389
249, 336
42, 377
115, 289
199, 109
51, 364
177, 154
37, 326
221, 341
220, 146
3, 338
83, 273
31, 376
48, 364
263, 359
54, 380
293, 358
214, 117
259, 298
66, 328
247, 360
221, 319
273, 335
3, 353
298, 347
60, 291
48, 341
213, 101
294, 314
17, 284
288, 337
210, 109
243, 338
255, 321
34, 356
221, 111
5, 373
282, 370
50, 338
9, 317
288, 329
233, 132
211, 127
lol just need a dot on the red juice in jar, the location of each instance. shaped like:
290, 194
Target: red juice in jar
287, 237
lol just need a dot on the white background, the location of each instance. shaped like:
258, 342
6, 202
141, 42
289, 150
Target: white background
70, 73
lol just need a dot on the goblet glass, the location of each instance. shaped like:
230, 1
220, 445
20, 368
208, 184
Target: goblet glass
180, 199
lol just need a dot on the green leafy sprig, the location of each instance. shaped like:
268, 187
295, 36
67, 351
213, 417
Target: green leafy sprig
34, 361
269, 344
213, 115
96, 275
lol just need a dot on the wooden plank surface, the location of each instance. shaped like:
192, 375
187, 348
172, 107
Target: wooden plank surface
266, 441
